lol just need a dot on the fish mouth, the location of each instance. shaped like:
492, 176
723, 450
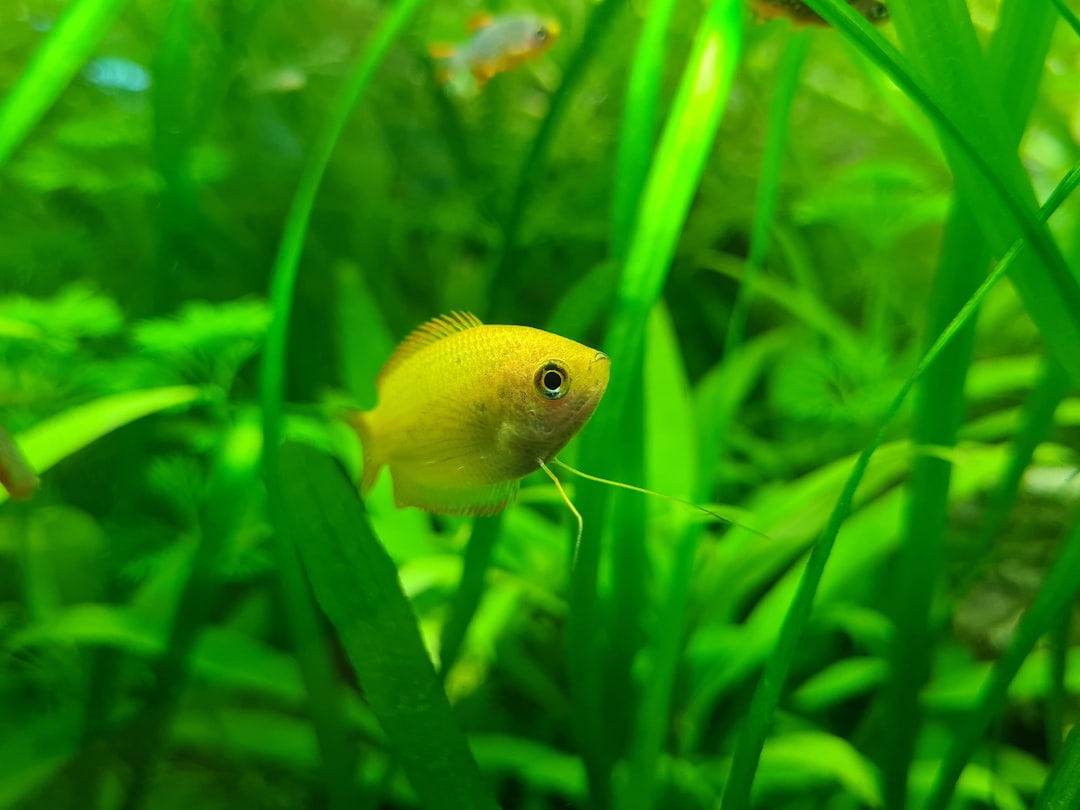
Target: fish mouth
599, 374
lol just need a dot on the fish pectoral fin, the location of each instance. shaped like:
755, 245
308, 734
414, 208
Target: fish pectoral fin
446, 499
478, 20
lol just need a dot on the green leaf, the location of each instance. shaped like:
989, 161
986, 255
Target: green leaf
976, 786
248, 735
230, 492
1068, 15
1062, 788
1058, 591
842, 681
639, 123
357, 586
600, 679
206, 343
939, 397
470, 589
75, 312
671, 464
796, 762
981, 154
506, 278
767, 695
303, 623
959, 691
671, 446
768, 186
221, 656
800, 301
365, 340
69, 44
539, 766
51, 441
34, 755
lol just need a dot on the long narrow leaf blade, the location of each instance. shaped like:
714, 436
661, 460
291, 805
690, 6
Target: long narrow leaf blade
504, 285
357, 585
678, 163
1048, 287
1062, 788
767, 695
939, 399
304, 626
638, 131
69, 44
1058, 591
51, 441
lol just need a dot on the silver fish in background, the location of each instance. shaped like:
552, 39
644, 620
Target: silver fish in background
496, 45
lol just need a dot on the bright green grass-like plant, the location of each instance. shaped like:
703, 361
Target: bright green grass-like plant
437, 759
832, 298
600, 682
75, 36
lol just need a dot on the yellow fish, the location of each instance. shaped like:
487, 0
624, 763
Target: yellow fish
465, 410
498, 44
800, 13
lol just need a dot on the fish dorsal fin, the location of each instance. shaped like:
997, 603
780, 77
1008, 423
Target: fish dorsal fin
431, 332
478, 20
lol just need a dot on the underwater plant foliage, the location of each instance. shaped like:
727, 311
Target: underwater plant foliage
835, 268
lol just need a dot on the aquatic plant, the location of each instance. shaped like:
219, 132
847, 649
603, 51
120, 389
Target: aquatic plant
835, 270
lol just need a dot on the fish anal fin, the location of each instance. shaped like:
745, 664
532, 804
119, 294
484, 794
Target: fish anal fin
443, 499
478, 20
431, 332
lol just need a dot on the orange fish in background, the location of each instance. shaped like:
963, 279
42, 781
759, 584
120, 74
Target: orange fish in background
497, 44
801, 14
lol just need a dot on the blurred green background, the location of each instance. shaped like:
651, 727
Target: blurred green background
767, 229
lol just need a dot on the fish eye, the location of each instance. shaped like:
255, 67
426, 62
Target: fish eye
541, 33
552, 380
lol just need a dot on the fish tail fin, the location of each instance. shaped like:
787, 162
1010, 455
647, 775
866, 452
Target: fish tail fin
359, 421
